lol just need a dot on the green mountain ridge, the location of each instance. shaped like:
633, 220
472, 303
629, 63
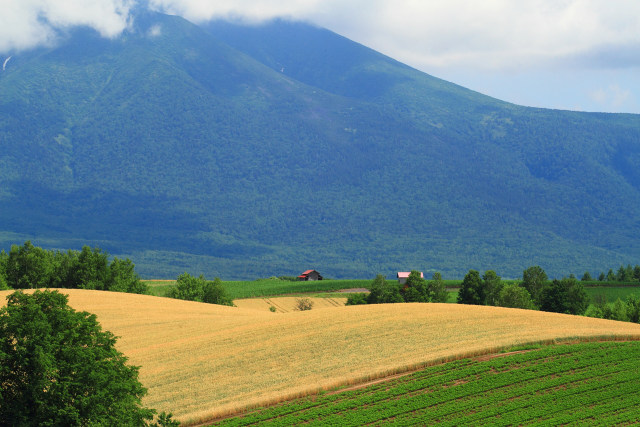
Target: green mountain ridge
247, 152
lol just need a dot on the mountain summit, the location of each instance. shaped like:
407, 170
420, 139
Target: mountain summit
265, 150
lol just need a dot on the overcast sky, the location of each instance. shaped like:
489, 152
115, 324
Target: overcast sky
569, 54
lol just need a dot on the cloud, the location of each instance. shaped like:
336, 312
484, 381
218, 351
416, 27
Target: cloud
488, 34
612, 98
26, 24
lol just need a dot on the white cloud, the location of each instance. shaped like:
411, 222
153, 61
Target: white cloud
28, 23
611, 98
489, 34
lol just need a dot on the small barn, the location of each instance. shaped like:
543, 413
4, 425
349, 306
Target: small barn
310, 275
404, 275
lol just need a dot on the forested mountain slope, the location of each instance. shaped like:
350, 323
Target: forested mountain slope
257, 151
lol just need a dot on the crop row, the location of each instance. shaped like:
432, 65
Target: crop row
553, 384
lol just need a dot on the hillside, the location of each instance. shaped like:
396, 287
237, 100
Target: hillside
248, 152
199, 359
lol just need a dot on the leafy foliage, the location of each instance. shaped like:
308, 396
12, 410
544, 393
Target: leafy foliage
472, 289
564, 296
534, 280
29, 266
58, 367
383, 292
304, 304
514, 296
193, 288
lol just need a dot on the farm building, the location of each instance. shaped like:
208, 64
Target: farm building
310, 275
404, 275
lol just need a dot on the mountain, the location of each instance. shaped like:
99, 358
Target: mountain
247, 152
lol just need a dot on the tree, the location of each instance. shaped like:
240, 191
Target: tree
58, 367
534, 280
3, 270
192, 288
515, 296
471, 289
437, 289
586, 277
492, 287
601, 277
611, 277
636, 272
383, 292
356, 299
633, 308
415, 288
565, 296
28, 267
188, 288
214, 293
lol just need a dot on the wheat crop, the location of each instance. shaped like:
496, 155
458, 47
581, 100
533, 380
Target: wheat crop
200, 360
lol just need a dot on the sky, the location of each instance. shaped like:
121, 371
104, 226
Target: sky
566, 54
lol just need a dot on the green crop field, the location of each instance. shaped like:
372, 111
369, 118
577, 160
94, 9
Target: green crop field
268, 287
596, 383
612, 293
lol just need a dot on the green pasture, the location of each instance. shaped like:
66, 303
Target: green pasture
269, 287
612, 293
587, 383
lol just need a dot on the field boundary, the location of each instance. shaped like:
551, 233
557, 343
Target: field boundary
376, 378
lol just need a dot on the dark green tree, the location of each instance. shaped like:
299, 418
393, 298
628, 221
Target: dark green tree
92, 271
636, 272
437, 289
515, 296
29, 267
633, 308
601, 277
383, 292
59, 368
565, 296
356, 299
188, 288
3, 270
472, 289
214, 293
492, 286
586, 277
611, 277
123, 277
415, 288
534, 280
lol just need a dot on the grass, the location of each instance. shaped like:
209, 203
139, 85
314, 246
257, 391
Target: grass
267, 287
201, 361
579, 383
612, 293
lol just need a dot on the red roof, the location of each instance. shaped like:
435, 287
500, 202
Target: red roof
405, 274
306, 273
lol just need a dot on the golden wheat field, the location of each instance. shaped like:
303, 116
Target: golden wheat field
286, 304
199, 360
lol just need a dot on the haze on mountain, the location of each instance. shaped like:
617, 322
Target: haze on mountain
248, 152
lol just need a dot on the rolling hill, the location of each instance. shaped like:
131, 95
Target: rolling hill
248, 152
202, 360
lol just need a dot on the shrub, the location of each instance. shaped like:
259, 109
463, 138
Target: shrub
515, 296
356, 299
304, 304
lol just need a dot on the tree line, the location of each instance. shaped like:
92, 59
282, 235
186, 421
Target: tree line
624, 274
28, 267
534, 292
